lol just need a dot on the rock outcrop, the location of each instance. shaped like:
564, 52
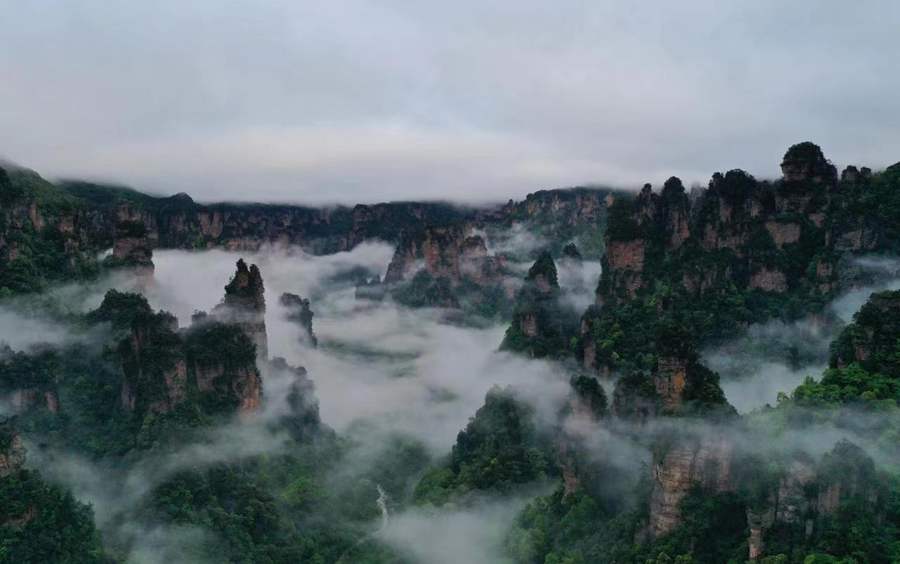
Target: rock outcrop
222, 360
21, 508
679, 384
540, 327
298, 311
28, 381
808, 493
43, 237
12, 451
245, 306
804, 162
208, 368
871, 340
742, 245
39, 520
301, 418
703, 461
774, 237
444, 252
133, 243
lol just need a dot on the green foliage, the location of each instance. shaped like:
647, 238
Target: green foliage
805, 151
498, 450
42, 523
541, 325
424, 290
852, 384
589, 391
713, 529
620, 224
575, 528
873, 339
9, 192
121, 309
544, 268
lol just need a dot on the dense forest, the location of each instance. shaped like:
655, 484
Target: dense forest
538, 382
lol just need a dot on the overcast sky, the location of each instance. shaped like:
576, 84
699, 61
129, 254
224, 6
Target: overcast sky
361, 101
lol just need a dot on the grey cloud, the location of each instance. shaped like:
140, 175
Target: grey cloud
357, 101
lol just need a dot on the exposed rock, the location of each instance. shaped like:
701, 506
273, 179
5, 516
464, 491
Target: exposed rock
540, 325
222, 360
635, 397
758, 523
132, 247
245, 305
444, 252
12, 451
302, 419
476, 265
807, 493
768, 280
699, 461
570, 251
805, 162
669, 380
626, 255
871, 339
568, 465
738, 235
35, 398
300, 312
588, 345
153, 364
436, 249
678, 385
783, 233
528, 324
543, 276
12, 462
209, 368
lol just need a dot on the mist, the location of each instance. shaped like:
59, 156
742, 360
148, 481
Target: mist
453, 535
775, 357
380, 371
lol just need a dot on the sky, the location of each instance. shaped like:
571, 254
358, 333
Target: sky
360, 101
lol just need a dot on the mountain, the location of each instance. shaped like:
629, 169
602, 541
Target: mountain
484, 384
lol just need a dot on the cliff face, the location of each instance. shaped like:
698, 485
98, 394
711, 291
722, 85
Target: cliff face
697, 462
791, 509
807, 493
44, 235
679, 384
209, 368
301, 419
741, 251
75, 221
540, 327
153, 364
300, 312
563, 208
772, 237
133, 243
444, 252
245, 305
39, 520
871, 340
22, 508
222, 363
445, 267
28, 381
12, 451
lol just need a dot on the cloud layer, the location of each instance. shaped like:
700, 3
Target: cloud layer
358, 101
